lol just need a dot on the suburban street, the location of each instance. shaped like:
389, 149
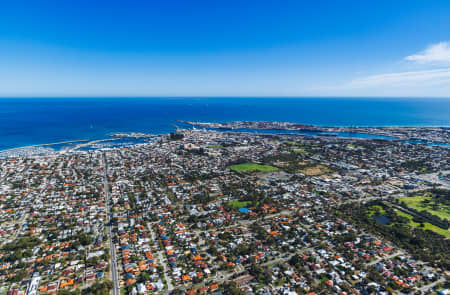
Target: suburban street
430, 286
386, 257
161, 259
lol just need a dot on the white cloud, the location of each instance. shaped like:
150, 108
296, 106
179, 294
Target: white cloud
409, 79
434, 54
431, 78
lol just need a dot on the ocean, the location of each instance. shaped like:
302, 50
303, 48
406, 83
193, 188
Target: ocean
30, 121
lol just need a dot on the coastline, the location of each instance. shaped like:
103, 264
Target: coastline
82, 143
44, 144
87, 144
44, 121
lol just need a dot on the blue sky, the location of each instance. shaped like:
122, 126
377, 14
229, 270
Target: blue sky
225, 48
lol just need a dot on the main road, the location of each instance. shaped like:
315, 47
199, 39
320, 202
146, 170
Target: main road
112, 247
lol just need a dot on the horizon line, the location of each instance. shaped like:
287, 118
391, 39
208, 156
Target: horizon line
220, 96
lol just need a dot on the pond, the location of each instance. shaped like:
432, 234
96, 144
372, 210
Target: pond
382, 219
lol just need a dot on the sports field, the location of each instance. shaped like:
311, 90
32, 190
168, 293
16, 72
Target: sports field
239, 204
252, 167
420, 203
427, 225
300, 151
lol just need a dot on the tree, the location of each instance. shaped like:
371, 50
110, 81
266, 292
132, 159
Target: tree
295, 259
144, 277
230, 288
213, 251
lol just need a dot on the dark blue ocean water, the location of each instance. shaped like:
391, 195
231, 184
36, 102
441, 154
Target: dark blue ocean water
28, 121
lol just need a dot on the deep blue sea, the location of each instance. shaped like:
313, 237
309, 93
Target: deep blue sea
29, 121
